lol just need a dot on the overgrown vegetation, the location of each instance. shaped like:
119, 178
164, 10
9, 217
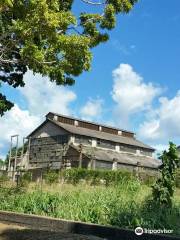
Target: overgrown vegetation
97, 177
164, 187
1, 162
117, 198
177, 178
125, 205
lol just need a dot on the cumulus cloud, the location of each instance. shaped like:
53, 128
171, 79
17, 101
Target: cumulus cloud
16, 121
92, 109
130, 93
41, 96
164, 121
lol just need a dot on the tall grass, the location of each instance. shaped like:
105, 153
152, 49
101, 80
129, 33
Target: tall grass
126, 205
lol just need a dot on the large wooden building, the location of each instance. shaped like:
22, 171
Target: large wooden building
64, 142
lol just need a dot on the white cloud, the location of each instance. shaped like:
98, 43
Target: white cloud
92, 109
130, 93
164, 121
160, 147
123, 49
41, 96
16, 121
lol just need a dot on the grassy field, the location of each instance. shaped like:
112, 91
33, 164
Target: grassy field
126, 205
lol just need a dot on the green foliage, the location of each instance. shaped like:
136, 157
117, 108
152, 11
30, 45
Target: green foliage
121, 206
148, 179
46, 37
51, 177
2, 163
5, 105
25, 179
4, 178
163, 189
177, 178
75, 175
19, 152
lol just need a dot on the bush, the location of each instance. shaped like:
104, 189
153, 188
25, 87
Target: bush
177, 178
121, 206
25, 179
75, 175
51, 177
148, 179
3, 179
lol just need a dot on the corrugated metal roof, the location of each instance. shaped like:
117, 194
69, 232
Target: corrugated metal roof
102, 135
124, 158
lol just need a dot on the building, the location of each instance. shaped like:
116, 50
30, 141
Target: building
65, 142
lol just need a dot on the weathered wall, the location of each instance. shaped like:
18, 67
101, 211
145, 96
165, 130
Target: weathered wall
73, 156
48, 129
48, 150
126, 167
103, 165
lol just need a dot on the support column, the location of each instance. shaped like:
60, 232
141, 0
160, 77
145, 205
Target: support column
80, 156
114, 165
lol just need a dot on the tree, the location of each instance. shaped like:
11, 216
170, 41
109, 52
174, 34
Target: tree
45, 37
1, 162
163, 189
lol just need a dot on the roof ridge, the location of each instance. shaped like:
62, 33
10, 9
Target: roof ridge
86, 121
68, 127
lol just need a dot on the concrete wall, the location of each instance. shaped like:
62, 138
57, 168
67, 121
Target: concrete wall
61, 225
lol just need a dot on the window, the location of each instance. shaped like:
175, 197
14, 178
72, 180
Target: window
66, 120
127, 134
83, 140
109, 130
146, 153
105, 144
128, 148
88, 125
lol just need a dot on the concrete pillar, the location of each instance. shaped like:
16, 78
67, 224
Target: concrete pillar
80, 155
117, 148
94, 143
138, 152
72, 139
114, 165
94, 164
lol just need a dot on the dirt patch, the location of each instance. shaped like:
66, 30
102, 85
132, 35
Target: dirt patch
15, 232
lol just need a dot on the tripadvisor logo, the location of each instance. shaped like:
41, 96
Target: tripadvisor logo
139, 231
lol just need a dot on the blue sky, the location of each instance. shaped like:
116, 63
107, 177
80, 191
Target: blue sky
133, 82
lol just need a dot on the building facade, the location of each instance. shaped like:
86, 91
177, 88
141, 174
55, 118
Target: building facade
65, 142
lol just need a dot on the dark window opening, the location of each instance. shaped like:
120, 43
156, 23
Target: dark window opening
105, 144
83, 140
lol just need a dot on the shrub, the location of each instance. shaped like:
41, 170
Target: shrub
25, 179
75, 175
177, 178
51, 177
163, 189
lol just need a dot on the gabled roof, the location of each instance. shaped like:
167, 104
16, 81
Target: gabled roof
72, 129
85, 121
41, 125
101, 135
122, 158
